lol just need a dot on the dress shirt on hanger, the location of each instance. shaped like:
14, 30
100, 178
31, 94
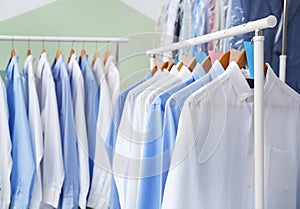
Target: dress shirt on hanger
5, 150
23, 168
78, 98
70, 190
208, 163
35, 124
52, 165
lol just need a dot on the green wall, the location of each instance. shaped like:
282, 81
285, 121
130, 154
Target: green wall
91, 18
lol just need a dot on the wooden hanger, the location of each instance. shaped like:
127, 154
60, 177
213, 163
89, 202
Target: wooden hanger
164, 65
106, 56
71, 53
206, 63
179, 65
96, 55
241, 59
154, 69
224, 59
171, 63
58, 53
192, 64
12, 53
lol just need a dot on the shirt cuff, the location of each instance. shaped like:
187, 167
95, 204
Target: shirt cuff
51, 196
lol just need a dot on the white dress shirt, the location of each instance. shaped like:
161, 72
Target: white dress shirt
52, 164
208, 161
5, 151
78, 97
124, 158
108, 79
35, 125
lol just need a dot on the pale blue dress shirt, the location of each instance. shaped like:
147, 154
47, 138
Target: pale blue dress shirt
23, 169
92, 98
112, 135
70, 190
176, 101
151, 186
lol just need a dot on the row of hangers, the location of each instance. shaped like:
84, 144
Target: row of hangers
72, 51
190, 62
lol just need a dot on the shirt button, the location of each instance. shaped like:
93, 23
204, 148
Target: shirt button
250, 151
248, 185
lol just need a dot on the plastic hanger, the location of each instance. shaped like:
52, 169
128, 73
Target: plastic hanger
206, 63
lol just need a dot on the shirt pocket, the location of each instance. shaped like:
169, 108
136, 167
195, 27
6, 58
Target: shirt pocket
279, 169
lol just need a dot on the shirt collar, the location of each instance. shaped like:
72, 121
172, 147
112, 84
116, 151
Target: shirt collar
198, 72
71, 63
109, 63
83, 61
184, 73
98, 69
29, 59
40, 65
148, 75
174, 70
10, 66
56, 67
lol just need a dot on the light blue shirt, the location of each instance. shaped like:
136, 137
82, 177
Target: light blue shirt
152, 184
70, 190
92, 98
176, 101
112, 135
23, 169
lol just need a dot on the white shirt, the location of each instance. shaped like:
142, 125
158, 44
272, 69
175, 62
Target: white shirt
52, 164
108, 79
113, 78
281, 147
78, 97
5, 151
207, 166
35, 126
124, 158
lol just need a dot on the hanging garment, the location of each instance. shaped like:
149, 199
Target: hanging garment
78, 98
5, 150
208, 163
122, 152
281, 147
112, 134
35, 125
91, 104
252, 10
52, 164
70, 190
23, 169
153, 175
108, 78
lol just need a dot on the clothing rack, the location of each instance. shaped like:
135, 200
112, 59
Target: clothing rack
257, 26
282, 57
117, 41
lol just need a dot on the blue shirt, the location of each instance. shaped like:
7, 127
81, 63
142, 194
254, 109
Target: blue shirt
176, 101
92, 98
112, 135
23, 169
153, 177
70, 190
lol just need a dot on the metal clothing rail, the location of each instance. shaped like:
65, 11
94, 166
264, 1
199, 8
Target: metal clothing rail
257, 26
282, 57
117, 41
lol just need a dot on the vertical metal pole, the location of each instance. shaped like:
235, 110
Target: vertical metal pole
152, 61
258, 119
117, 56
282, 57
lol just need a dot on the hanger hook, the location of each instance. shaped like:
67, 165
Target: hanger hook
217, 46
96, 45
72, 46
28, 43
83, 44
43, 43
58, 43
12, 42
